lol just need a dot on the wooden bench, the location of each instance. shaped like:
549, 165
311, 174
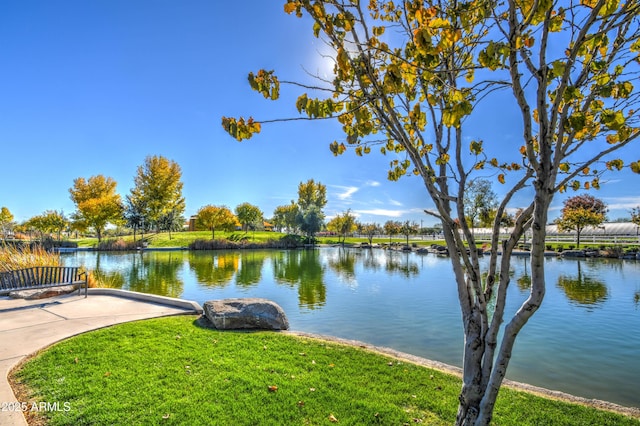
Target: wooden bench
42, 277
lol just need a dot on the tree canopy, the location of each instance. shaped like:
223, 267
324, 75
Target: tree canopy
342, 224
97, 202
158, 191
249, 215
582, 211
407, 77
216, 217
6, 218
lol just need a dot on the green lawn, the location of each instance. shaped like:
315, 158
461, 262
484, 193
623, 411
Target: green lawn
183, 239
173, 371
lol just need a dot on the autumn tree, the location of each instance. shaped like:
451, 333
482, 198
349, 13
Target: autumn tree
409, 228
311, 193
55, 222
480, 201
392, 227
582, 211
635, 215
312, 197
158, 189
216, 217
6, 219
97, 202
284, 217
370, 230
406, 78
248, 215
343, 225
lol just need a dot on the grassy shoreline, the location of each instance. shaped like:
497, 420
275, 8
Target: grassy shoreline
175, 371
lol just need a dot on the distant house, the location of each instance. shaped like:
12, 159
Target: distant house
268, 226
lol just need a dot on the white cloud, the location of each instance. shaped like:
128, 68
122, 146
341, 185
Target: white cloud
382, 212
394, 202
621, 203
372, 183
347, 192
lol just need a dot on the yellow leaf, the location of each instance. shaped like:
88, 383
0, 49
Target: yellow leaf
272, 388
289, 7
501, 178
564, 167
439, 23
470, 76
333, 418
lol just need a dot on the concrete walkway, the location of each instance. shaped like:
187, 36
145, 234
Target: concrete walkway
29, 325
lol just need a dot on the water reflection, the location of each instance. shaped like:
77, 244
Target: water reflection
214, 269
401, 263
583, 289
250, 272
302, 268
157, 274
343, 263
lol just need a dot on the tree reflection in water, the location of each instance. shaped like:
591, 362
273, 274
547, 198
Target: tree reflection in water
156, 273
250, 272
214, 268
302, 268
582, 289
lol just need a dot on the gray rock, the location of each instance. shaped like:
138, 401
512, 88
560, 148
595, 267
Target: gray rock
243, 314
573, 253
42, 293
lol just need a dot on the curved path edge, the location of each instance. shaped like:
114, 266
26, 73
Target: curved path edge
28, 326
450, 369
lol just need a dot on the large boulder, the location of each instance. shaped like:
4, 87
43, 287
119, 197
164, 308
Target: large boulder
243, 314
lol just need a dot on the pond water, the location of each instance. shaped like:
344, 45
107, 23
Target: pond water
584, 340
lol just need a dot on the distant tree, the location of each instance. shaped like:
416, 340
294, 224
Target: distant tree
77, 225
580, 212
216, 217
409, 228
158, 189
343, 224
285, 217
479, 202
6, 219
635, 215
370, 230
37, 224
310, 220
134, 211
249, 216
97, 202
171, 220
55, 222
310, 194
392, 227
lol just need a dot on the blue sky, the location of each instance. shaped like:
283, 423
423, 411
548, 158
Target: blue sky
93, 87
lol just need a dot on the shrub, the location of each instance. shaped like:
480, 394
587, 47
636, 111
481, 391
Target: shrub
212, 245
118, 245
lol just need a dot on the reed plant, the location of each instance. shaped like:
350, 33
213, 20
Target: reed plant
14, 257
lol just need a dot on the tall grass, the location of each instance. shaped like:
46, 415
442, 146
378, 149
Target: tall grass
26, 256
